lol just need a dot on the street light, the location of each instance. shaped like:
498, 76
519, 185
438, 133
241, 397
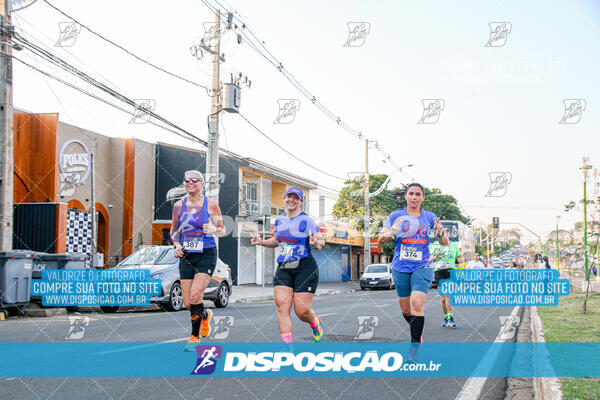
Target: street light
585, 168
557, 245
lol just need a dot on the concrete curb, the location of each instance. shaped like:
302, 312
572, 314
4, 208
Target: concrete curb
255, 299
45, 312
544, 388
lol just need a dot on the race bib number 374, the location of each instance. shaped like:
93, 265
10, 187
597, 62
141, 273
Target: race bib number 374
410, 254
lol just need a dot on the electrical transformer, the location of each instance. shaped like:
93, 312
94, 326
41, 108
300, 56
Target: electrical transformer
231, 97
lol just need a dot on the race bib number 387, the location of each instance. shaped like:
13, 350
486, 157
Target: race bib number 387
194, 244
408, 253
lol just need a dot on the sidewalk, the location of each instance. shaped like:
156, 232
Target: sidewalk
580, 283
251, 292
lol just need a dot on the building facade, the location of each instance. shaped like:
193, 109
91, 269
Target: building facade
56, 165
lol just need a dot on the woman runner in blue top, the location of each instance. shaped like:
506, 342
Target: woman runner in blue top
195, 220
297, 275
411, 267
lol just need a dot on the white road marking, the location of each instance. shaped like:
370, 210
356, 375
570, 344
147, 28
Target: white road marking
474, 385
324, 315
142, 346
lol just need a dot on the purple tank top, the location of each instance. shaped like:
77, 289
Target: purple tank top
192, 235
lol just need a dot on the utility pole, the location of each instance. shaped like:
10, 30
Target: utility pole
93, 248
212, 154
6, 131
585, 168
366, 233
557, 245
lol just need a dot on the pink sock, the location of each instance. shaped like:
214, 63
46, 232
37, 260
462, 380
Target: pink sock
286, 337
315, 322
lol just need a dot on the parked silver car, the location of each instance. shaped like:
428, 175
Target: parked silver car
163, 265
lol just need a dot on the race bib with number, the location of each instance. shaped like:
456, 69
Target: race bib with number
193, 244
407, 253
287, 250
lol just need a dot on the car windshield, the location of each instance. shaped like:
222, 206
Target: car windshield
148, 256
451, 231
376, 268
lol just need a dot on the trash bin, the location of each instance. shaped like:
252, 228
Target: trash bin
43, 261
76, 260
15, 279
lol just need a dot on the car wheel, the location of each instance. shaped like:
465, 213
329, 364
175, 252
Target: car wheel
175, 298
109, 309
362, 288
222, 296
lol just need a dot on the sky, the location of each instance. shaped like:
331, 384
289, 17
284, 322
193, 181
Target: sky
502, 103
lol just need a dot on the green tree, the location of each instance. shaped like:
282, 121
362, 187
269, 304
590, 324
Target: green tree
350, 203
445, 206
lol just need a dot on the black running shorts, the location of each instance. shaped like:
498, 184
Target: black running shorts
198, 263
303, 279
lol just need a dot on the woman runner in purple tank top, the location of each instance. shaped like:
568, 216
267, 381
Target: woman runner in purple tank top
195, 220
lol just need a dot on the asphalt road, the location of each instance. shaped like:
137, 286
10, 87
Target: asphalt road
256, 322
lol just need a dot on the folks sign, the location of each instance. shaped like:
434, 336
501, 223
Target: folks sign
74, 162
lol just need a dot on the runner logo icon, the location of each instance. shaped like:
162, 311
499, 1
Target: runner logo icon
574, 108
432, 109
222, 326
207, 359
499, 32
366, 326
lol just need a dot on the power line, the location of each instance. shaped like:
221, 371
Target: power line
95, 96
286, 151
90, 80
127, 51
280, 67
20, 19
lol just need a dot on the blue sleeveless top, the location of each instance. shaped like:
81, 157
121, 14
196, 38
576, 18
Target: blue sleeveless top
191, 228
293, 236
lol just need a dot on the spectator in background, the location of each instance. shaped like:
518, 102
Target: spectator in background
512, 265
545, 264
475, 263
541, 264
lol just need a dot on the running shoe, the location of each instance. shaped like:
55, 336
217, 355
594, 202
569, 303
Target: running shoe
192, 342
451, 322
205, 323
318, 331
288, 347
413, 356
445, 323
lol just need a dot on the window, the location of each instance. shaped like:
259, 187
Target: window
377, 268
154, 255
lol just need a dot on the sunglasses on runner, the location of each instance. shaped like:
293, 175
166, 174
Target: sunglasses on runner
188, 180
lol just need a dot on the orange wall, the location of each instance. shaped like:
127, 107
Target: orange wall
157, 234
277, 191
128, 197
35, 157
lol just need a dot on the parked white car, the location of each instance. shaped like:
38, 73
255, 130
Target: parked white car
377, 276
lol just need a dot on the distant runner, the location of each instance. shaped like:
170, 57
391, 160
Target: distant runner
444, 260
